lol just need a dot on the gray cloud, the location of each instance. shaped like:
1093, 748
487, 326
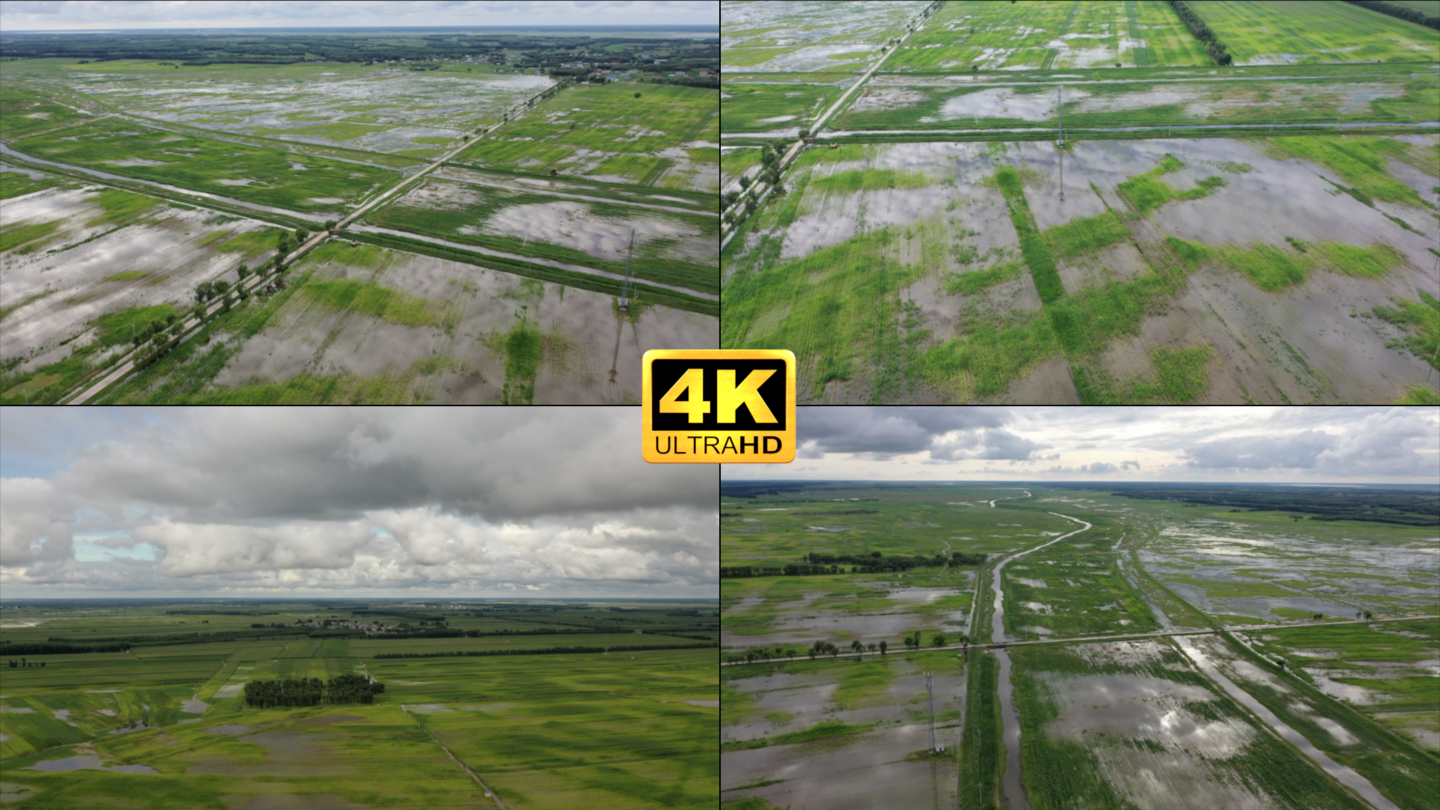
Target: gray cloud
948, 434
1127, 465
1301, 451
335, 498
129, 14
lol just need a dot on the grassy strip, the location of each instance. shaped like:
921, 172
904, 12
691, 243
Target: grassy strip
1421, 321
1013, 134
979, 280
817, 732
1147, 192
1080, 237
1415, 395
584, 281
1183, 375
870, 180
1360, 161
1032, 246
982, 752
1272, 268
374, 300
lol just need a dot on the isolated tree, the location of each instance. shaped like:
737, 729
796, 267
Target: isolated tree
637, 95
301, 235
804, 133
883, 645
554, 172
203, 291
745, 182
242, 272
1281, 662
939, 640
856, 646
220, 287
1369, 615
330, 225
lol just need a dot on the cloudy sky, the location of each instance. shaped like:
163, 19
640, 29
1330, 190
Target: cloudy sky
1311, 444
80, 15
548, 502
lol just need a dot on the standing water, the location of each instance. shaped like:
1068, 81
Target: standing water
1010, 717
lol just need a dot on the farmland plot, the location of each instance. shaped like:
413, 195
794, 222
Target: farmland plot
772, 104
85, 267
809, 36
989, 36
1398, 770
1167, 263
1130, 722
667, 137
267, 176
671, 248
1386, 671
369, 324
380, 108
1266, 32
1251, 571
842, 734
907, 103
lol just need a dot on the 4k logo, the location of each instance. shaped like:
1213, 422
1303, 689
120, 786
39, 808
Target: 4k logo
709, 406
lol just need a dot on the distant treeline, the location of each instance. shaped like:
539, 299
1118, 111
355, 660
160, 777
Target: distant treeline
711, 82
311, 691
1401, 12
1402, 507
546, 650
287, 48
1213, 46
44, 648
191, 638
897, 562
818, 564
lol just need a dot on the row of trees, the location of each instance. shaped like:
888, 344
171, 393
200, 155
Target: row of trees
311, 691
43, 648
875, 562
1213, 46
546, 650
819, 648
23, 664
1396, 10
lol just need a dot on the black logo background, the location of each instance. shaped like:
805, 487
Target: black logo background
665, 373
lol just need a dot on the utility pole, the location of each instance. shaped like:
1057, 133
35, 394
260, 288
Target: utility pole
929, 691
1060, 108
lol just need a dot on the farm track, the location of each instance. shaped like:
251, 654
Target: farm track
466, 768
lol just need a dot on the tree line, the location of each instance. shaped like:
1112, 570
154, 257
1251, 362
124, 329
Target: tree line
1213, 46
311, 691
546, 651
43, 648
875, 562
1406, 13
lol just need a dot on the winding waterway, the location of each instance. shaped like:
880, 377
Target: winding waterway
1010, 718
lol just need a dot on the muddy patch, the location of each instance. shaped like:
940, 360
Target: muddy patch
86, 762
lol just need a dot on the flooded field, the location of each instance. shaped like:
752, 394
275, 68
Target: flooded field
381, 108
386, 326
103, 252
809, 36
1216, 283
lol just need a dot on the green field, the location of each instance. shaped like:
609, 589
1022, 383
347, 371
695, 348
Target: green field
615, 729
283, 179
607, 132
1260, 32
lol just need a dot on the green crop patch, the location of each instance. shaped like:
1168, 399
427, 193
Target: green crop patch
1087, 235
1262, 32
1359, 161
870, 180
1147, 192
1420, 322
372, 300
17, 184
28, 238
976, 281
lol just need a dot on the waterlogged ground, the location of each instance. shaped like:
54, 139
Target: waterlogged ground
809, 36
841, 734
1268, 572
377, 325
1225, 271
382, 108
